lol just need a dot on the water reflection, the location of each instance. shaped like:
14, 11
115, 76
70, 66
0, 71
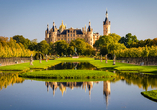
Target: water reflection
84, 85
63, 85
141, 80
106, 90
7, 79
73, 65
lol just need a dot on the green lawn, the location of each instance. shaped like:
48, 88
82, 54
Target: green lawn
27, 66
68, 74
102, 64
124, 66
150, 94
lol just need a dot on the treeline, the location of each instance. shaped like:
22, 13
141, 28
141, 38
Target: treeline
9, 48
60, 48
131, 41
137, 52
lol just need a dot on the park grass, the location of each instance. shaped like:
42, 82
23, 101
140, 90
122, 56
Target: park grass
140, 69
102, 64
124, 66
27, 66
150, 94
68, 74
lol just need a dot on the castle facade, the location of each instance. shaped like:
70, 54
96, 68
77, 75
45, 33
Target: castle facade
54, 34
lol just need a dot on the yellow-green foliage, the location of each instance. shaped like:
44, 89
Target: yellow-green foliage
137, 52
13, 49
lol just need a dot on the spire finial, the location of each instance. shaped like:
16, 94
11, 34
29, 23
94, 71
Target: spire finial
62, 22
89, 22
106, 13
53, 23
47, 25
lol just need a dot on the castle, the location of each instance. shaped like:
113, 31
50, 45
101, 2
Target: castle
70, 34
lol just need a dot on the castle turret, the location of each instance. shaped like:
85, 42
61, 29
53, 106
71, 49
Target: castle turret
53, 33
47, 33
106, 25
89, 38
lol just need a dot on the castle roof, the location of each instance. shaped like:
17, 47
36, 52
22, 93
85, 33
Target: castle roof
78, 31
89, 28
106, 22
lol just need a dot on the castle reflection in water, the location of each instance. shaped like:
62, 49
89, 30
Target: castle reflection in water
63, 85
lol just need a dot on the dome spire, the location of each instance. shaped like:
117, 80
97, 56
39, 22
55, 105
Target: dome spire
106, 13
89, 22
53, 23
47, 26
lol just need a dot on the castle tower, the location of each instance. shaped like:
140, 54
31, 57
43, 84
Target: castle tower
106, 25
53, 33
47, 33
89, 38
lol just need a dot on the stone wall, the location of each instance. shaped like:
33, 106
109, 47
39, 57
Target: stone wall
138, 61
11, 61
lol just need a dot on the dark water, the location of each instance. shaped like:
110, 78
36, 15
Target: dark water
124, 92
73, 65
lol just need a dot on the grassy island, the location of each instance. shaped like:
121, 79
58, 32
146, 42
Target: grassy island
68, 74
150, 94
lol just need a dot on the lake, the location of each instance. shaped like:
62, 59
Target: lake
124, 92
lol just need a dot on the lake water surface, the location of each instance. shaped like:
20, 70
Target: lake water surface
124, 92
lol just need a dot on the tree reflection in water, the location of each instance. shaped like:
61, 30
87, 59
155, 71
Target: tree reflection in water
141, 80
73, 65
7, 79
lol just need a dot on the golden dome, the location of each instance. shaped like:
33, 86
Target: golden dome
62, 26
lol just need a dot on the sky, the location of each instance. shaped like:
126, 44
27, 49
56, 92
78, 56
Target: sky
30, 17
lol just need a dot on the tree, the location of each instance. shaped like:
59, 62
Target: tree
70, 50
52, 48
33, 45
22, 40
61, 47
43, 47
128, 40
80, 44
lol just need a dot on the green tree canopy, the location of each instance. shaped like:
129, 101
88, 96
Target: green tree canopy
22, 40
43, 47
61, 47
128, 40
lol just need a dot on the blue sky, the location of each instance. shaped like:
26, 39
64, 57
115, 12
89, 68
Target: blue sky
30, 17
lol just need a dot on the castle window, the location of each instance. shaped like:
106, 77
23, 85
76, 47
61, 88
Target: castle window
68, 35
71, 35
74, 35
68, 39
73, 38
106, 29
62, 39
58, 39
